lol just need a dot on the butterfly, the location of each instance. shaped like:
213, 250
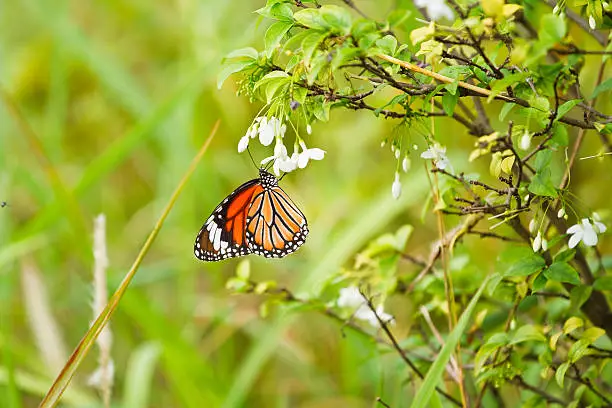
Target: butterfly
258, 217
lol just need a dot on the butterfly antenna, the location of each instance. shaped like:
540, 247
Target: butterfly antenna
252, 159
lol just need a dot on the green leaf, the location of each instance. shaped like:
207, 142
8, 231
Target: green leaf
605, 86
321, 110
560, 374
363, 27
248, 52
402, 235
273, 82
449, 101
311, 18
493, 343
436, 371
505, 110
560, 137
572, 324
578, 350
274, 35
566, 107
231, 68
500, 85
338, 18
603, 283
543, 159
578, 295
552, 30
541, 184
344, 55
539, 282
528, 332
277, 11
592, 334
310, 44
525, 266
299, 94
562, 272
388, 44
318, 63
565, 256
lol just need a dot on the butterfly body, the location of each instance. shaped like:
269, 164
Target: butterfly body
258, 217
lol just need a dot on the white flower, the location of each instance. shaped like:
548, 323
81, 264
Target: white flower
243, 143
592, 23
438, 154
525, 141
351, 298
585, 232
435, 9
308, 154
282, 162
396, 187
537, 242
269, 129
406, 164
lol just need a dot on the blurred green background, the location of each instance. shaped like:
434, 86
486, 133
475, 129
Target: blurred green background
121, 94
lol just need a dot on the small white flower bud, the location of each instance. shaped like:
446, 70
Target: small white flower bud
592, 23
397, 154
537, 242
309, 129
396, 187
561, 212
532, 226
544, 244
406, 164
525, 141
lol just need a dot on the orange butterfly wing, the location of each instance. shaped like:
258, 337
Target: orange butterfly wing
258, 217
275, 226
223, 235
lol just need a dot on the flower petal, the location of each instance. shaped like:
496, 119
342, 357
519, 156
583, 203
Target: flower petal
243, 143
575, 239
266, 134
302, 160
590, 236
427, 154
574, 229
600, 227
316, 153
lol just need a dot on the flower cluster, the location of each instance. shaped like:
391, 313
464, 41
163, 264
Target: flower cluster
585, 232
266, 129
351, 298
274, 128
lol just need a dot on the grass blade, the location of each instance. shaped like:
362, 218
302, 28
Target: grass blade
434, 375
78, 355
